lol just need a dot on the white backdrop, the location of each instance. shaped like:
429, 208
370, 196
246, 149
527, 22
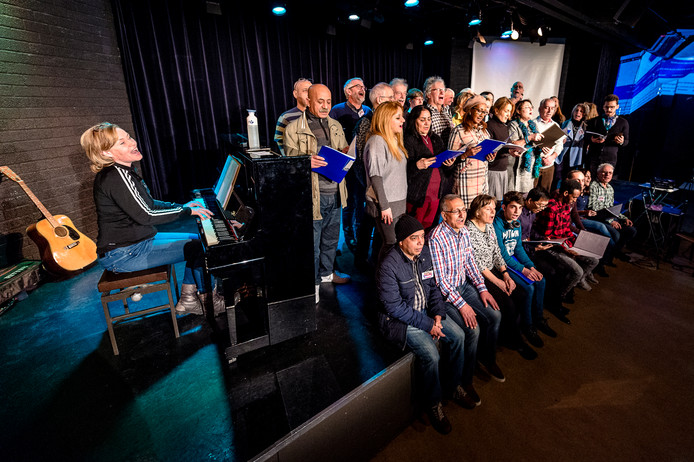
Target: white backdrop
498, 64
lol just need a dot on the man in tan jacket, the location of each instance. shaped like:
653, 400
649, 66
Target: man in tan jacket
305, 136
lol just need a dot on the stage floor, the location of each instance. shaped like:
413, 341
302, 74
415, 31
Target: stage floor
67, 397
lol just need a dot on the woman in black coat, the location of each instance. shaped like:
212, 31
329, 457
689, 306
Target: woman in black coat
425, 186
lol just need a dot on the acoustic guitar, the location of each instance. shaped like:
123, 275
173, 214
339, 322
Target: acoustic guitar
63, 248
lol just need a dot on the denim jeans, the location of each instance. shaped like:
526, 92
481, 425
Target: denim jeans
488, 321
427, 359
326, 234
530, 299
621, 236
162, 249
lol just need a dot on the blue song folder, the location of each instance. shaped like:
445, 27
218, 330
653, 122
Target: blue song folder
488, 147
338, 164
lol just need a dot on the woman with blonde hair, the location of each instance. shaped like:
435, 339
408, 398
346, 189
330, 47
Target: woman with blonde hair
385, 160
127, 215
460, 99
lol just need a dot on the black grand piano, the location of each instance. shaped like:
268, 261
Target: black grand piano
267, 265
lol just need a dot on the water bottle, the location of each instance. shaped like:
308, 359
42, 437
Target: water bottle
252, 122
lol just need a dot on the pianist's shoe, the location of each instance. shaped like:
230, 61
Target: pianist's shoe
188, 301
214, 301
336, 278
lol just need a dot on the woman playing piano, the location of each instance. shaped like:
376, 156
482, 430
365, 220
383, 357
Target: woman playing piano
127, 214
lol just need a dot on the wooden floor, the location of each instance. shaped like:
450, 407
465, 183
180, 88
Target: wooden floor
615, 385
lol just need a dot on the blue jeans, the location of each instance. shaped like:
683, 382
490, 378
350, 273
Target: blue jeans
530, 299
427, 359
326, 234
488, 321
162, 249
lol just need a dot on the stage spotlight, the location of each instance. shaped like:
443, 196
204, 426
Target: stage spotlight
506, 34
515, 34
476, 20
411, 3
428, 42
353, 17
279, 11
539, 31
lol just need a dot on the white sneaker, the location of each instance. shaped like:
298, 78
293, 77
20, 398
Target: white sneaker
317, 293
328, 278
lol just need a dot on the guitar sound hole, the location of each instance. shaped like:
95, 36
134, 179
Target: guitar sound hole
60, 231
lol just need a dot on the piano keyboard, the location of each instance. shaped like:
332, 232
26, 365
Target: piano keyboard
215, 229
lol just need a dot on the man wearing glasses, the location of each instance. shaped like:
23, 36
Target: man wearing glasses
349, 112
462, 285
441, 122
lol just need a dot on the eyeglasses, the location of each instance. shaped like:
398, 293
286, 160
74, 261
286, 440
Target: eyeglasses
357, 86
480, 111
388, 98
460, 211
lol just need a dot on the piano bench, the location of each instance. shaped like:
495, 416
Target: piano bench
121, 286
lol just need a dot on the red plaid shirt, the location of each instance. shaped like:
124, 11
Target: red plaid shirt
554, 222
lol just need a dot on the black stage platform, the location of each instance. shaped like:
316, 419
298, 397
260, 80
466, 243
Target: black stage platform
67, 397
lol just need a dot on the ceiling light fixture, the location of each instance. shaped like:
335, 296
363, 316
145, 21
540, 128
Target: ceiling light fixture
411, 3
428, 42
476, 20
354, 17
279, 11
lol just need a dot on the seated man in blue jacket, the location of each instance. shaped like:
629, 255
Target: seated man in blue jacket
523, 271
414, 316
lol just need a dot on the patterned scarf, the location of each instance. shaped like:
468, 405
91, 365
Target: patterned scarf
527, 160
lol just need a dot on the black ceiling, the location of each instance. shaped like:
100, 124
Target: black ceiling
635, 24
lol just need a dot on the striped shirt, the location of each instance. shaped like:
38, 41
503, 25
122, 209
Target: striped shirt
284, 120
454, 262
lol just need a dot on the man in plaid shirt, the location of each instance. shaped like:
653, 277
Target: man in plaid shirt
620, 228
554, 222
441, 122
462, 284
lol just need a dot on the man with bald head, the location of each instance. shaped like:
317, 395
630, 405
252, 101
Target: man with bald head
300, 93
305, 136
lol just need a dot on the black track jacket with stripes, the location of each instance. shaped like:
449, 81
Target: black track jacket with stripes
126, 212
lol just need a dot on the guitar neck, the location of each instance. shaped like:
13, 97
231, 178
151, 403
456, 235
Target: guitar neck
38, 203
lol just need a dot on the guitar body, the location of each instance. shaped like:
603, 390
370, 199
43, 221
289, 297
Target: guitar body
63, 248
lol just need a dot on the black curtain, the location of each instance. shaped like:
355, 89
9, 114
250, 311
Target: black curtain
191, 76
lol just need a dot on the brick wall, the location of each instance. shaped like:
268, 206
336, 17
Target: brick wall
60, 73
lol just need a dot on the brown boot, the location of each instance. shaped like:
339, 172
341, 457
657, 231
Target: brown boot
188, 301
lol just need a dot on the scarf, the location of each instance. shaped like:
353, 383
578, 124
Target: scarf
527, 160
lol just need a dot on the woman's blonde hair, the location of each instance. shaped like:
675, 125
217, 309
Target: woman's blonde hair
97, 139
380, 125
